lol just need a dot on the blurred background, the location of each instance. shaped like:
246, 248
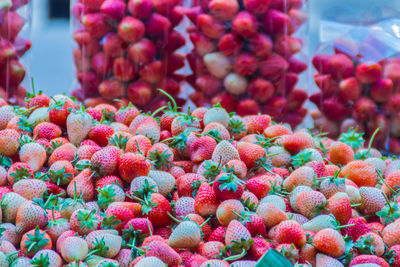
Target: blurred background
51, 56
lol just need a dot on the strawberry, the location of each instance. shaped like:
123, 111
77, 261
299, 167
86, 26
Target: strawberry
180, 237
100, 134
359, 228
301, 176
156, 208
107, 242
133, 165
251, 154
257, 123
83, 221
296, 236
59, 111
339, 205
47, 130
261, 185
146, 126
369, 260
236, 127
33, 154
30, 188
340, 153
325, 260
218, 234
34, 241
228, 211
82, 185
10, 203
105, 161
372, 199
238, 237
311, 203
370, 243
391, 234
47, 256
165, 181
228, 186
138, 143
18, 171
202, 148
216, 114
296, 142
271, 214
74, 248
206, 202
163, 252
184, 206
210, 249
330, 242
224, 152
161, 156
63, 152
259, 248
29, 215
79, 124
360, 172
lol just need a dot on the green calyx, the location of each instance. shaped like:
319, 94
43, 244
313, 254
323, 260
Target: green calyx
118, 141
352, 138
302, 158
36, 241
41, 261
105, 195
236, 126
59, 177
160, 159
87, 218
229, 182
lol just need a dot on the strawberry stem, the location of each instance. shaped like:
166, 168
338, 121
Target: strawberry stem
148, 226
175, 106
355, 205
173, 218
344, 226
384, 182
157, 111
206, 221
236, 257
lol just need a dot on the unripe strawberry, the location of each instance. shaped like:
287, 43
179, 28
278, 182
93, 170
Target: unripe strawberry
218, 64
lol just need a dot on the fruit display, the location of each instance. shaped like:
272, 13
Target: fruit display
127, 49
359, 94
14, 26
107, 186
244, 57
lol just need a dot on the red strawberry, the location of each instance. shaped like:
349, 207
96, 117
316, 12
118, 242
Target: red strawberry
133, 165
156, 208
206, 202
59, 111
228, 186
100, 134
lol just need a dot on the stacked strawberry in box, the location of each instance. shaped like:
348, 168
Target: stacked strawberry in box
127, 49
359, 94
14, 17
244, 56
113, 186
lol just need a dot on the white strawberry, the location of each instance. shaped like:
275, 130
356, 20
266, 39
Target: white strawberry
79, 124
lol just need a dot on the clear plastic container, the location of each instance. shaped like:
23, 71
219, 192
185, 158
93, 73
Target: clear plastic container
126, 50
246, 56
15, 23
356, 64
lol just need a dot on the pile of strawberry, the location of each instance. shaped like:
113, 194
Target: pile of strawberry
244, 56
12, 48
117, 187
127, 49
354, 93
